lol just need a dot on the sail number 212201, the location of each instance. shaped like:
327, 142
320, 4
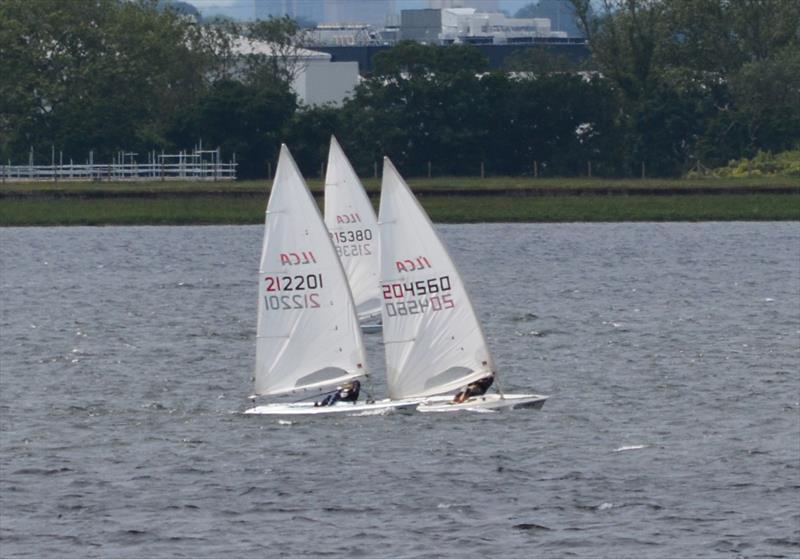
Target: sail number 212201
305, 294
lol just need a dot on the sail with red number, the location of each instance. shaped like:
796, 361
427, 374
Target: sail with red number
433, 340
353, 227
304, 300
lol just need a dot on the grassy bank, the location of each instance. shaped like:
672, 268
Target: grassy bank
242, 210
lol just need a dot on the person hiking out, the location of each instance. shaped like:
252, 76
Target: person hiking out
348, 392
477, 388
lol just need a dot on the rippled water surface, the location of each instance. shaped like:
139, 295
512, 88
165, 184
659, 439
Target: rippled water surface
671, 352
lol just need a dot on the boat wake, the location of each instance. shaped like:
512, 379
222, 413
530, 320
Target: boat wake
631, 447
366, 413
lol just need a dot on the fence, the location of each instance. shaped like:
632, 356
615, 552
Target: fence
197, 165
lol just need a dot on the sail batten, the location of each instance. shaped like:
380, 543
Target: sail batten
307, 333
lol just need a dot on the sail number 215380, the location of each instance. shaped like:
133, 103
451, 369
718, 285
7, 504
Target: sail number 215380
354, 242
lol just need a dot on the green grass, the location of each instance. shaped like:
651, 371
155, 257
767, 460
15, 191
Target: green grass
131, 211
452, 209
615, 208
506, 183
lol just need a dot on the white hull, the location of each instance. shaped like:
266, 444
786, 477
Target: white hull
340, 408
493, 402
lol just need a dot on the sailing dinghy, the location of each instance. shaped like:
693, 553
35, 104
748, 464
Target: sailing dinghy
308, 338
434, 343
353, 227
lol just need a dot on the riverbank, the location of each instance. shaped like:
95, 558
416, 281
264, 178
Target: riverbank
447, 199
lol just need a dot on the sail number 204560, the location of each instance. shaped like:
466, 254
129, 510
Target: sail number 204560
402, 298
400, 290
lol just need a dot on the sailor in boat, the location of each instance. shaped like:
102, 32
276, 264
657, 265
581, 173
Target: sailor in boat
477, 388
347, 392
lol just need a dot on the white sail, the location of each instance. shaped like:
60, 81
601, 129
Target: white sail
353, 227
307, 334
433, 340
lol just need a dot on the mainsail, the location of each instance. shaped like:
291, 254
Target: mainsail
308, 334
354, 230
433, 340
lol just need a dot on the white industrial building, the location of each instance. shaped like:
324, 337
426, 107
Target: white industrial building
343, 34
467, 25
323, 82
317, 80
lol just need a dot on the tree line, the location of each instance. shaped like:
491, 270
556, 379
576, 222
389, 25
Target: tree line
669, 83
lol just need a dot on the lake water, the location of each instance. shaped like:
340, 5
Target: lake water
671, 353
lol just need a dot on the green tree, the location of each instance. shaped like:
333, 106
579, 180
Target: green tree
560, 121
309, 133
97, 74
418, 109
708, 79
766, 94
625, 41
750, 47
243, 119
285, 56
184, 8
540, 60
410, 60
720, 36
423, 103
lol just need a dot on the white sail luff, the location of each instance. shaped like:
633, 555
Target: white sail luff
353, 225
307, 333
433, 340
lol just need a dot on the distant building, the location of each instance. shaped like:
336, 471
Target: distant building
344, 34
422, 26
317, 79
326, 83
466, 25
345, 40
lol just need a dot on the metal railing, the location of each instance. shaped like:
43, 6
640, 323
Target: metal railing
197, 165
